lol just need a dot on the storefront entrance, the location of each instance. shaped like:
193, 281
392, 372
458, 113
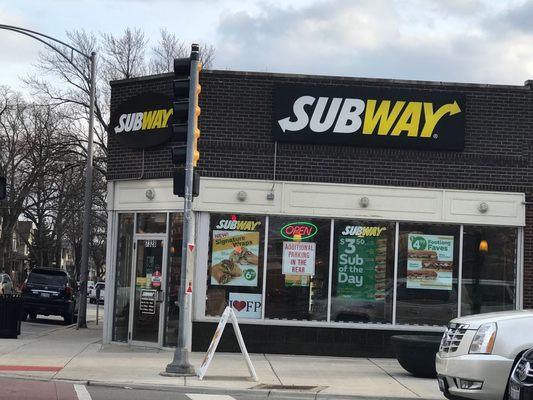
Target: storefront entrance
146, 280
149, 277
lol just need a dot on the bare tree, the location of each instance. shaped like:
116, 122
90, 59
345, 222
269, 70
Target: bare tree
124, 56
167, 49
207, 54
65, 86
29, 144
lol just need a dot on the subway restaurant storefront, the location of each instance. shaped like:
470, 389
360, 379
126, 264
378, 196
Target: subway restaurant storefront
333, 212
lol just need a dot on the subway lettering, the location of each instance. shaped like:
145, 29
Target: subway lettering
143, 121
370, 117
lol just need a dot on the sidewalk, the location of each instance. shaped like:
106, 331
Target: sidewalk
67, 354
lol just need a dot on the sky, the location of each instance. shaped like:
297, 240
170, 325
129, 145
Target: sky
478, 41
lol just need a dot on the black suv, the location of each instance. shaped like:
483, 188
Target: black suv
49, 291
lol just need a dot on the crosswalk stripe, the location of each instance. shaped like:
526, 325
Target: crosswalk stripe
82, 392
202, 396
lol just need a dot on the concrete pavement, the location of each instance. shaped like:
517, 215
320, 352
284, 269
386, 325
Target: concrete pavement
73, 355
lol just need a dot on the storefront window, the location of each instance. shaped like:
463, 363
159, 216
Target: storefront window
152, 223
363, 272
123, 278
428, 264
235, 263
173, 279
489, 269
297, 269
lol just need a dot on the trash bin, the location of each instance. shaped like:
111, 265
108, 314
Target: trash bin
416, 353
11, 311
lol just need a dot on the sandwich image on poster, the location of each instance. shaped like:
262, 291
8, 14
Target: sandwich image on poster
235, 258
429, 262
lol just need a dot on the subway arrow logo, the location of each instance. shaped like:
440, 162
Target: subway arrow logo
381, 118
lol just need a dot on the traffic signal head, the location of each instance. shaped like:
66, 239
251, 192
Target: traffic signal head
3, 189
186, 89
179, 154
180, 89
179, 177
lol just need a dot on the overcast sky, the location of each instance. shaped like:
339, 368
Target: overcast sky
481, 41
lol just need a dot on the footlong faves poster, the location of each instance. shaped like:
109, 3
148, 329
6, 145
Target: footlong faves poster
361, 263
429, 261
235, 258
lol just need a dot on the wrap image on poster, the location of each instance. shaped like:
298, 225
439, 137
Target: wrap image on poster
235, 258
361, 263
429, 261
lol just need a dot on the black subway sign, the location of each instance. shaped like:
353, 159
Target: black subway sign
432, 120
142, 121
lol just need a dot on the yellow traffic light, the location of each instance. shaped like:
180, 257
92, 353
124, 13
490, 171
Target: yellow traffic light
196, 153
197, 112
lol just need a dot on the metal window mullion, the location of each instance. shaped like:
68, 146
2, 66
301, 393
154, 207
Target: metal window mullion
519, 268
111, 274
202, 255
395, 283
460, 272
330, 272
265, 259
133, 274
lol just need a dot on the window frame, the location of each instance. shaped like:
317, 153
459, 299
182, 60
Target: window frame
202, 231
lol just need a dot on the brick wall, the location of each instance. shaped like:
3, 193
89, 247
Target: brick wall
236, 141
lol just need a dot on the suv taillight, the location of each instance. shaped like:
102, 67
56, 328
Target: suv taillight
24, 286
68, 291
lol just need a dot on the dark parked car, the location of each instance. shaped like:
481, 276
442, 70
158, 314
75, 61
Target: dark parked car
49, 291
521, 381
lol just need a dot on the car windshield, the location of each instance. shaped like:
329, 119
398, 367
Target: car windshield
48, 277
101, 286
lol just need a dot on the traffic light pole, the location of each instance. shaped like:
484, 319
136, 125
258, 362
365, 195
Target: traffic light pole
180, 365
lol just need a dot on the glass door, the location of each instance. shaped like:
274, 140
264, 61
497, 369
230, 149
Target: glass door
148, 291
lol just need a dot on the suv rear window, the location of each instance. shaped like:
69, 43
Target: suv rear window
48, 277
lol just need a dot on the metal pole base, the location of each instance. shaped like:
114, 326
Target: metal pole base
180, 365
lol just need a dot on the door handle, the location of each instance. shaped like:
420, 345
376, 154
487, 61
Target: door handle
160, 296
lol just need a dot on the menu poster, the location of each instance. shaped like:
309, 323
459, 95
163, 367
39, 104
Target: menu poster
235, 258
361, 265
429, 261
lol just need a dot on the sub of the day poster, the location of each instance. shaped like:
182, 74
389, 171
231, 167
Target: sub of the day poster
361, 266
298, 258
235, 258
429, 261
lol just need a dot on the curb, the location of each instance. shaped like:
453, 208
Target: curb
252, 394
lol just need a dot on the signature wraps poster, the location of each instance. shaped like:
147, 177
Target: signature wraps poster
235, 258
361, 264
429, 261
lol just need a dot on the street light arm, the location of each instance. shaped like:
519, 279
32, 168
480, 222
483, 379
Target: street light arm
27, 31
